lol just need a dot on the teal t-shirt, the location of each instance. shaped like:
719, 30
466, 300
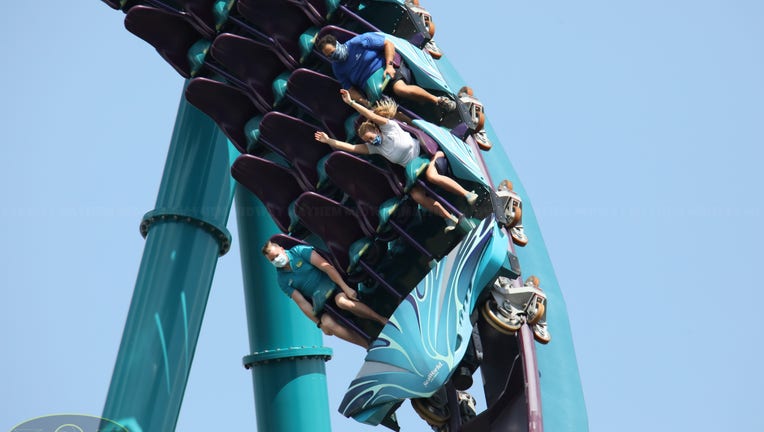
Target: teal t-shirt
304, 277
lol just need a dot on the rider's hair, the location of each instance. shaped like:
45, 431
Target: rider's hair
367, 126
386, 107
267, 246
326, 40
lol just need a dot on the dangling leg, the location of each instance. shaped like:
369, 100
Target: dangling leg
330, 327
446, 182
420, 196
358, 308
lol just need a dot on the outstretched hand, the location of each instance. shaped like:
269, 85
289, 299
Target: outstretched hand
346, 96
322, 137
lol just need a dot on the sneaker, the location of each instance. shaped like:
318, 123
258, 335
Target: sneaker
433, 49
451, 224
471, 198
446, 104
467, 404
482, 139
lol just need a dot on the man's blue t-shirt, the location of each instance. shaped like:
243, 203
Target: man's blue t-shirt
312, 283
365, 55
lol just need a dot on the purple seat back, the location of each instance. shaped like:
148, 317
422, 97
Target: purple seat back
295, 139
252, 62
170, 33
201, 12
368, 185
319, 6
340, 33
114, 4
334, 223
319, 95
275, 185
287, 241
281, 20
228, 106
317, 16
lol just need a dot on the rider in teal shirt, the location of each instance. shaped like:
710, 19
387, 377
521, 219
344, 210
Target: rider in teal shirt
309, 280
304, 277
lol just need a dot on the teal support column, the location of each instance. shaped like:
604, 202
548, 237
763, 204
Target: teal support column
287, 360
185, 235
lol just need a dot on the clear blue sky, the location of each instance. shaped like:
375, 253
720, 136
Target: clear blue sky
636, 128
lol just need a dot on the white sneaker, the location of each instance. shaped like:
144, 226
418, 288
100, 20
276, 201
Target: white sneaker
482, 139
450, 224
433, 49
446, 104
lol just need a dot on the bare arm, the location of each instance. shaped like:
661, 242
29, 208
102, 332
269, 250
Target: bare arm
341, 145
319, 262
389, 51
369, 114
304, 305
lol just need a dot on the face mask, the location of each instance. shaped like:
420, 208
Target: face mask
280, 261
376, 141
340, 53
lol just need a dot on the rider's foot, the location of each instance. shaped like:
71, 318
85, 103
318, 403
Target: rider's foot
446, 104
471, 198
467, 405
433, 49
451, 224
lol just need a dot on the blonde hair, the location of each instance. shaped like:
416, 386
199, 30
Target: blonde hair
367, 126
386, 108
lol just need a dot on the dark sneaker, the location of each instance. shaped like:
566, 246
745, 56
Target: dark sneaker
446, 104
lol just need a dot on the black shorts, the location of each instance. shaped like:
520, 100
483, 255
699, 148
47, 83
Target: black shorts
441, 165
402, 72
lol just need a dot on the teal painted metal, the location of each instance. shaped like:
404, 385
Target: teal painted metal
185, 235
562, 396
287, 360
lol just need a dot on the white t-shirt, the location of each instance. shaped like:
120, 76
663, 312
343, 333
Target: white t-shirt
397, 145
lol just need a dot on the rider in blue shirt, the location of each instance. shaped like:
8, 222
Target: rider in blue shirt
354, 61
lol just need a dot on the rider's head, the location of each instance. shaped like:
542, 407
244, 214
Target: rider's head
275, 254
327, 45
368, 131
